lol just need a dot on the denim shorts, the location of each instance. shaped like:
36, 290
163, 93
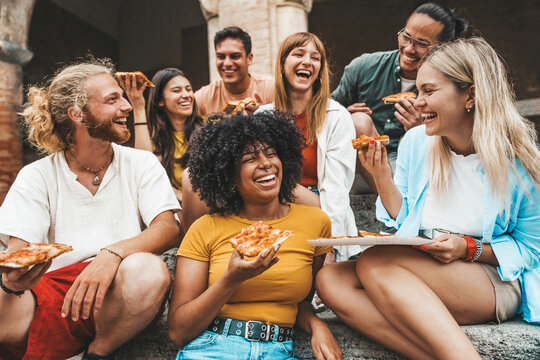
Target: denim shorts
210, 345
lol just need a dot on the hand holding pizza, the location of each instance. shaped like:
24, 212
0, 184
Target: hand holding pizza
251, 107
25, 278
134, 89
407, 114
91, 285
375, 160
240, 270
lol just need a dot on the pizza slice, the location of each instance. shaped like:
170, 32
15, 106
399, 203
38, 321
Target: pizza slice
233, 107
396, 98
257, 237
363, 141
140, 77
31, 254
367, 233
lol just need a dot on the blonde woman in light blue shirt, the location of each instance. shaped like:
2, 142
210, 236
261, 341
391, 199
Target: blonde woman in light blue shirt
413, 300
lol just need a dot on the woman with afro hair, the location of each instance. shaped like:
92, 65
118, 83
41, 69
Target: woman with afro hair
245, 169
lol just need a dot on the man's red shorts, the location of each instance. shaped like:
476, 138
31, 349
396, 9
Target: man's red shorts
52, 337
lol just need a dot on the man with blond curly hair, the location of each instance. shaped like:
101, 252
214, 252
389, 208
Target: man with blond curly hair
112, 204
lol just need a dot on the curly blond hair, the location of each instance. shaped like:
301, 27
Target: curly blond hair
46, 112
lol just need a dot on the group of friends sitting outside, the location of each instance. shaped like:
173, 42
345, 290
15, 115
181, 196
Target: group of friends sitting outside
462, 168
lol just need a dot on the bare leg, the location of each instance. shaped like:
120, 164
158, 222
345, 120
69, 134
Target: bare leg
16, 314
424, 299
341, 291
363, 125
132, 302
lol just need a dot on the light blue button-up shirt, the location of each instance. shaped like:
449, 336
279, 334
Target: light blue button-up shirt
514, 235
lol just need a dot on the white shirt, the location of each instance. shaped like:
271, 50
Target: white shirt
336, 162
406, 84
46, 203
459, 209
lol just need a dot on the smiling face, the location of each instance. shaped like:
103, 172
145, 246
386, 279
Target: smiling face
259, 174
301, 67
232, 62
177, 98
106, 110
419, 27
443, 105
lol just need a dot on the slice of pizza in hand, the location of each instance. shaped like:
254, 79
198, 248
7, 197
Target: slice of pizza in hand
257, 237
233, 107
363, 141
140, 78
397, 98
31, 254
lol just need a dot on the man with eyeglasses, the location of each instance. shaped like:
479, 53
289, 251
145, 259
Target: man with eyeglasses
370, 77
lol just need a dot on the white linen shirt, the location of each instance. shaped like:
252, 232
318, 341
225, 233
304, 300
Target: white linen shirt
336, 162
46, 203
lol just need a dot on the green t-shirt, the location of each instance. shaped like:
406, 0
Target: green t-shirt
369, 78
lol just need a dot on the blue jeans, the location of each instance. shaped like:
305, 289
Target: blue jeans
210, 345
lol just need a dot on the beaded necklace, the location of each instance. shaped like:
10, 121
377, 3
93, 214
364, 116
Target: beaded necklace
97, 180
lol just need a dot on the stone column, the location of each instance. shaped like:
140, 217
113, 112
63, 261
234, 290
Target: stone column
210, 10
267, 22
291, 17
14, 24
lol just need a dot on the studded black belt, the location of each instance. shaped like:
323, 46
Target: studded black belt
252, 330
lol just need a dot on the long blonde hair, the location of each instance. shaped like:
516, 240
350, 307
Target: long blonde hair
46, 112
500, 134
316, 109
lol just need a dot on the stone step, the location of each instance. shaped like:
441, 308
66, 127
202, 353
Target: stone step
513, 339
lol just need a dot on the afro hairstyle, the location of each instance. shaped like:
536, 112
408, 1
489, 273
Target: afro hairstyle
217, 148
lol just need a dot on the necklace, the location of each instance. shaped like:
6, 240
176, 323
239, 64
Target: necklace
97, 179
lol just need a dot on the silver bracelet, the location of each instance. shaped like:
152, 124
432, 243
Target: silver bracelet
478, 249
112, 252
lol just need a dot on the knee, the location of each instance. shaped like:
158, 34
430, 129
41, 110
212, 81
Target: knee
363, 124
144, 280
372, 264
326, 280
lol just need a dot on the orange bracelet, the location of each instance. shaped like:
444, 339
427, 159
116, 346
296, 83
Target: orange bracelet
472, 249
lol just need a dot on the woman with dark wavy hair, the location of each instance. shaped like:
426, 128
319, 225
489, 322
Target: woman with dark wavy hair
169, 121
245, 169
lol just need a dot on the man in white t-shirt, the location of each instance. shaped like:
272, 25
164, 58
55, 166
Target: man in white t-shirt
112, 204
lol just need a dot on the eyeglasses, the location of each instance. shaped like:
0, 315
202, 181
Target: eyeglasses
406, 40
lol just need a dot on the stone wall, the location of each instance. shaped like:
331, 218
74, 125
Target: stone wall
14, 20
